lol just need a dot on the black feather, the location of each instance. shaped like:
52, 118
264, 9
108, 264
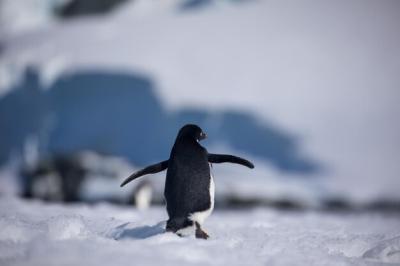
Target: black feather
226, 158
152, 169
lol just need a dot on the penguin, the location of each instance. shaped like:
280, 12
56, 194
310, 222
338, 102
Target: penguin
189, 185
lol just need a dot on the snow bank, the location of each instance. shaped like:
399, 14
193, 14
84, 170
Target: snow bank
34, 233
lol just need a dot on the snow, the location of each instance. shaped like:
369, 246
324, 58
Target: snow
34, 233
333, 82
326, 71
18, 17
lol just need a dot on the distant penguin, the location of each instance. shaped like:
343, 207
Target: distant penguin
142, 195
189, 187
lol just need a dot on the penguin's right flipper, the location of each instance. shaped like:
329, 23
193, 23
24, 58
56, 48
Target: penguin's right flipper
151, 169
226, 158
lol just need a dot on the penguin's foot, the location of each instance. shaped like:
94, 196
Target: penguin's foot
200, 233
185, 232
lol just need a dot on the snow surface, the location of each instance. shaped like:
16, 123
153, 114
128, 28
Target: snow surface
18, 17
34, 233
328, 71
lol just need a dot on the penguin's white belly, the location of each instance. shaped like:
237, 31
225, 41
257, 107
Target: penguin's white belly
201, 216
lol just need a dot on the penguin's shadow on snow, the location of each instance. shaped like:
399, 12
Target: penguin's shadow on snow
120, 114
141, 232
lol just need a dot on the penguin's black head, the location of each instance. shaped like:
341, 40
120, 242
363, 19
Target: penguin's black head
192, 131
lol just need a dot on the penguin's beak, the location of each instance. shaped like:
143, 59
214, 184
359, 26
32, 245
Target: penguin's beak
203, 135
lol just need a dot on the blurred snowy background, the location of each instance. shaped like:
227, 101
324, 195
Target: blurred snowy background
308, 90
92, 90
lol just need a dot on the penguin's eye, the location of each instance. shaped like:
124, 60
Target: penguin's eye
202, 136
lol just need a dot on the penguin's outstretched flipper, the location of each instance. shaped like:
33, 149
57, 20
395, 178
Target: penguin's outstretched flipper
151, 169
226, 158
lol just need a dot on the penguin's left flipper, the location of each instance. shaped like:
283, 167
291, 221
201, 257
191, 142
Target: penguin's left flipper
151, 169
226, 158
